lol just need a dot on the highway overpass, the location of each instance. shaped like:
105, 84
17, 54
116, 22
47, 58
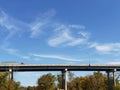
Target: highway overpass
15, 67
59, 67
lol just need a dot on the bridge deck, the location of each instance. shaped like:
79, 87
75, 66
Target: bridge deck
59, 67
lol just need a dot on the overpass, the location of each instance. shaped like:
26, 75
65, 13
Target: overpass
59, 67
11, 67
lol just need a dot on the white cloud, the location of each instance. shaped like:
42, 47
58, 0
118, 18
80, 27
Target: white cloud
66, 36
11, 50
41, 23
103, 48
106, 48
115, 62
76, 41
61, 34
76, 26
37, 28
5, 21
55, 57
84, 34
11, 25
15, 52
61, 38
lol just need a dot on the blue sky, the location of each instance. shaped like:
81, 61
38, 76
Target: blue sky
59, 32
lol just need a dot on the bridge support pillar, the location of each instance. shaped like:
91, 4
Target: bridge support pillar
111, 81
114, 81
10, 74
64, 81
108, 79
10, 79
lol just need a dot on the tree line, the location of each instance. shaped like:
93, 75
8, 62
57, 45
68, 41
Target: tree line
97, 81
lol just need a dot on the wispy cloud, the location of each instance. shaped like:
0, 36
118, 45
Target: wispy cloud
84, 34
76, 41
58, 57
115, 62
12, 28
76, 26
11, 25
16, 52
4, 22
41, 23
60, 35
60, 38
65, 36
106, 48
11, 50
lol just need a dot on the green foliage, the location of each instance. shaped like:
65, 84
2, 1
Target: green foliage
59, 80
97, 81
3, 81
6, 84
117, 87
75, 84
31, 88
22, 88
47, 82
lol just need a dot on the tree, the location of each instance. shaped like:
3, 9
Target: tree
97, 81
6, 84
31, 88
3, 81
75, 84
59, 80
47, 82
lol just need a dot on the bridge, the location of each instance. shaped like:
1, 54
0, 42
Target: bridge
59, 67
11, 67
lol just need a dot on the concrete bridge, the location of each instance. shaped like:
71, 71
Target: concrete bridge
58, 67
15, 67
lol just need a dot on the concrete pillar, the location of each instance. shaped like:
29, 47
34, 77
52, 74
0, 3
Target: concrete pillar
10, 74
114, 81
64, 81
108, 79
10, 79
111, 81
